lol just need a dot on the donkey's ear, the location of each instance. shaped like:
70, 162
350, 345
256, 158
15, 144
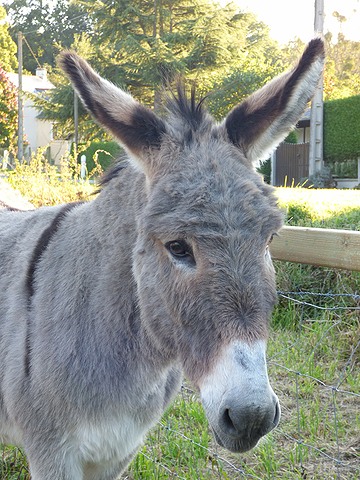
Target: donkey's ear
262, 121
136, 127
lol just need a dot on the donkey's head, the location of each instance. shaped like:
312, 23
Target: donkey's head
204, 275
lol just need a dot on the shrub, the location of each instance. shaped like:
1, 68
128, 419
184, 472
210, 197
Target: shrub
103, 153
44, 185
342, 129
8, 112
265, 169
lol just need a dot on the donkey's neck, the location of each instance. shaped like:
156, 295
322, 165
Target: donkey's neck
115, 213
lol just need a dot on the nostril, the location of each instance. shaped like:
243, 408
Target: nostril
227, 421
277, 414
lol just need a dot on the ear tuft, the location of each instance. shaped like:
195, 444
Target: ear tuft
136, 127
262, 121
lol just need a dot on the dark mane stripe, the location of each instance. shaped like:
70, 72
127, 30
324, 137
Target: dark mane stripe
42, 245
111, 173
40, 248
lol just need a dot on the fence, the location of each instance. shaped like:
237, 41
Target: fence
312, 367
292, 164
313, 360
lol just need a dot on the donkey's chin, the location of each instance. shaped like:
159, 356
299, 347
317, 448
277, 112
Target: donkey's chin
238, 445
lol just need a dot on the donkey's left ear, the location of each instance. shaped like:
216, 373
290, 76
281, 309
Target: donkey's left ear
136, 127
262, 121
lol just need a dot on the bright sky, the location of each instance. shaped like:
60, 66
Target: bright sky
288, 19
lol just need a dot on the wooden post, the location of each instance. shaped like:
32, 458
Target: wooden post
318, 246
76, 121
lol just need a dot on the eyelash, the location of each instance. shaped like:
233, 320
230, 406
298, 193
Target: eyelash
181, 251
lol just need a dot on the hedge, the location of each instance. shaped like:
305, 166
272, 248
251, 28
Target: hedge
342, 129
105, 159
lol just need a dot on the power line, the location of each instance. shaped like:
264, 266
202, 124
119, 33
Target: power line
31, 51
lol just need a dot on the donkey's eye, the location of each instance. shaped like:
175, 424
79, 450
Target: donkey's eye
179, 249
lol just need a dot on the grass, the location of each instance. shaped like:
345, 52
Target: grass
313, 353
321, 208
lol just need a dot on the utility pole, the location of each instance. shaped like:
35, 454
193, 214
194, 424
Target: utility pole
76, 121
316, 161
20, 154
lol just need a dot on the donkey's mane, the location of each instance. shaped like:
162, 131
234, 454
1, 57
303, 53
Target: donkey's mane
186, 109
185, 113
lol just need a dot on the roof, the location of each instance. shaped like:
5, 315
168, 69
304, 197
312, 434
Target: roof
31, 83
305, 119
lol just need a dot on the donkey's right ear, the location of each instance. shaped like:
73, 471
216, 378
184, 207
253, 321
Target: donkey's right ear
136, 127
262, 121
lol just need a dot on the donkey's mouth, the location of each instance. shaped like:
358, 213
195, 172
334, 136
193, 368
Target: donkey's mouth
239, 445
239, 436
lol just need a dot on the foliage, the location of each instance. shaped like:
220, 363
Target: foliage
342, 74
291, 138
104, 153
320, 208
7, 46
265, 169
8, 112
342, 129
43, 185
47, 27
143, 45
345, 169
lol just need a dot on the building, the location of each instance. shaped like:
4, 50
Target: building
37, 133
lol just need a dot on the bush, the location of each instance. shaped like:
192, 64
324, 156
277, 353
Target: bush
43, 184
8, 112
342, 129
103, 153
265, 169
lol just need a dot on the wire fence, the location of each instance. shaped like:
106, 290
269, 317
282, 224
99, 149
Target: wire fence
313, 367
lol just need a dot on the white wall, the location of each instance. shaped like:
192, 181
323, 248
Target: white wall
38, 133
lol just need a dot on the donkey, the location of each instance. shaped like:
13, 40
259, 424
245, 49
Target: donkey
105, 305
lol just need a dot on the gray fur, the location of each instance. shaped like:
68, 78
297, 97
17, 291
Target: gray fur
95, 350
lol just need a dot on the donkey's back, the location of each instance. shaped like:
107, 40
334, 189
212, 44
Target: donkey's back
19, 238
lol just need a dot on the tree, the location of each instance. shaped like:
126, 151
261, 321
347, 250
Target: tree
148, 43
7, 46
47, 27
8, 112
142, 45
342, 74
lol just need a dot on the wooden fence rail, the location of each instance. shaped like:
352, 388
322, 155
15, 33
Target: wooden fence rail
318, 246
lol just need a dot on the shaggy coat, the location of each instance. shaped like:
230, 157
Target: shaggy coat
105, 305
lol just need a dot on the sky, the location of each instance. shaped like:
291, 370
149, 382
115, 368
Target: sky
288, 19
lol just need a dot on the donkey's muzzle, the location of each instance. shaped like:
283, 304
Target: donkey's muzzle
240, 427
237, 397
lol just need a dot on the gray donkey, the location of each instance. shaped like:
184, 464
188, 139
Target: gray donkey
104, 305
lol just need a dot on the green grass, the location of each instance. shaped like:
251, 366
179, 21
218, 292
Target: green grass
321, 208
310, 350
